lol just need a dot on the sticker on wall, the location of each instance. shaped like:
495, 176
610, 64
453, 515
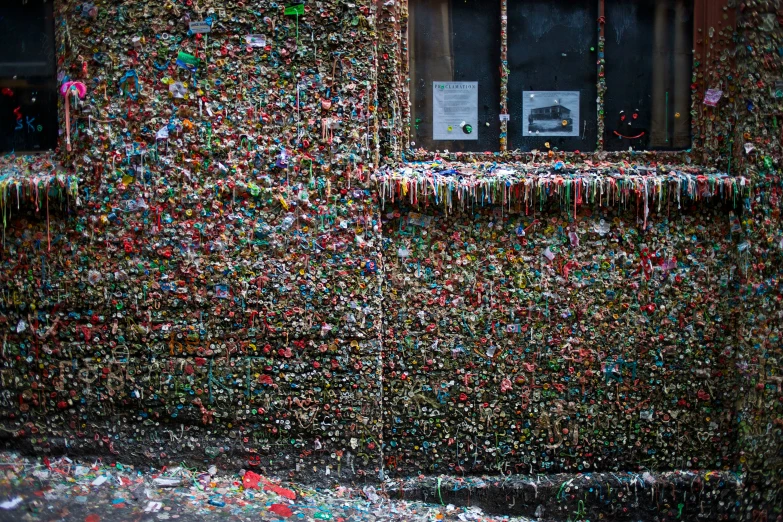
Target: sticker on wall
550, 113
255, 40
712, 97
200, 27
455, 110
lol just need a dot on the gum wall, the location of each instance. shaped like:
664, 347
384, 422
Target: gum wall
235, 266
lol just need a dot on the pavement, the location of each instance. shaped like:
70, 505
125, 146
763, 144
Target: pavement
61, 489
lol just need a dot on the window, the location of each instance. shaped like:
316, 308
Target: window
28, 84
551, 50
649, 48
455, 48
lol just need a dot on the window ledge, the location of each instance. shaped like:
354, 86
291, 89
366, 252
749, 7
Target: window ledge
456, 186
655, 156
30, 179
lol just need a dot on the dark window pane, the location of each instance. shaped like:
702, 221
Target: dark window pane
28, 42
455, 41
649, 60
28, 87
549, 49
28, 115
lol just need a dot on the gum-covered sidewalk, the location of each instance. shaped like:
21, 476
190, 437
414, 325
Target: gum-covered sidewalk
65, 490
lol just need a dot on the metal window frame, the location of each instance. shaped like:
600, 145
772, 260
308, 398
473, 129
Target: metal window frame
707, 14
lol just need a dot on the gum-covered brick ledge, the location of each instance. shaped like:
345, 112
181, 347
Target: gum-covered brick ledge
524, 186
583, 496
34, 179
37, 183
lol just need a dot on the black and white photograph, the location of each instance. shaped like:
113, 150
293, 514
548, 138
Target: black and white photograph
550, 113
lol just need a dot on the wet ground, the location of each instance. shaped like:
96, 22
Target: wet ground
65, 490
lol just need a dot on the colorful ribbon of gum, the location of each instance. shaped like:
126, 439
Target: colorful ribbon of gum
66, 90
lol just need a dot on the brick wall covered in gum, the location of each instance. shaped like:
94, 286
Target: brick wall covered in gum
237, 289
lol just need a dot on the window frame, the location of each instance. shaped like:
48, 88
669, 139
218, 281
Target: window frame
706, 14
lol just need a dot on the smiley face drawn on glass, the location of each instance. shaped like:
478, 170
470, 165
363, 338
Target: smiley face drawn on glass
628, 128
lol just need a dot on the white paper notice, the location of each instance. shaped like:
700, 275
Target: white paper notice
455, 111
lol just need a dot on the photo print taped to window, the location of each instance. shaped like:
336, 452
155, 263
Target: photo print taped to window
552, 48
